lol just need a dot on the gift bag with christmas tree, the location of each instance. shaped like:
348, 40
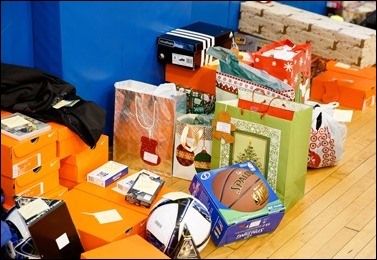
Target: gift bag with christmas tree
144, 125
192, 145
272, 132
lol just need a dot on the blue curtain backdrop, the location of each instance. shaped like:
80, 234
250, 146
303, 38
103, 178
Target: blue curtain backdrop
93, 44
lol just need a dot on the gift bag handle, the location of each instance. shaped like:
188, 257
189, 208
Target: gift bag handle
197, 137
321, 108
263, 112
147, 126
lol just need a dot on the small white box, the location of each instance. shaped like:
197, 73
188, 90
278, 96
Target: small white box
125, 184
107, 173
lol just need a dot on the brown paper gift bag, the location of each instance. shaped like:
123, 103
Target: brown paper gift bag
144, 125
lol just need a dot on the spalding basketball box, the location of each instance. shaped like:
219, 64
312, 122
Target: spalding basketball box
241, 202
186, 46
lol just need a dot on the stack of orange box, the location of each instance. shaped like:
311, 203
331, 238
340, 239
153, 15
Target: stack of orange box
77, 159
111, 195
56, 162
100, 221
350, 86
68, 142
29, 167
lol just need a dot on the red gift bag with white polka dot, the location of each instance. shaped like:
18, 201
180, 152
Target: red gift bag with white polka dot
327, 136
289, 62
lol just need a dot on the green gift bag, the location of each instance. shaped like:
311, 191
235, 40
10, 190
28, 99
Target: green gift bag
278, 146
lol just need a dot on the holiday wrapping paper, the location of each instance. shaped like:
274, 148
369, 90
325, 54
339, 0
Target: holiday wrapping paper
278, 146
144, 125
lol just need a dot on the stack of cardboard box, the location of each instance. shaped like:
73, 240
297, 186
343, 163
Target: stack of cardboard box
342, 41
350, 86
48, 164
77, 165
29, 167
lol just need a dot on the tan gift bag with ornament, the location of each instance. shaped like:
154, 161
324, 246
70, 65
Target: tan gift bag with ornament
193, 145
144, 117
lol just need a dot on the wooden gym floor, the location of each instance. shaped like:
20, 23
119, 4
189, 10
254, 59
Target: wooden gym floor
337, 216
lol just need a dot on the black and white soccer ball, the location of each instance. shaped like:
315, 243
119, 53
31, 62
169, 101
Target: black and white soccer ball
175, 215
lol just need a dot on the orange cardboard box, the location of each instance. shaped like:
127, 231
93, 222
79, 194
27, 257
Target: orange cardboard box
68, 142
55, 193
20, 157
75, 167
86, 209
67, 183
133, 247
110, 194
349, 90
367, 72
33, 183
202, 79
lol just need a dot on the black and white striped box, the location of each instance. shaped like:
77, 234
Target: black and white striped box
187, 46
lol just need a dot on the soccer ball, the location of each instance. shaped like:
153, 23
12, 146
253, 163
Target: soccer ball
179, 224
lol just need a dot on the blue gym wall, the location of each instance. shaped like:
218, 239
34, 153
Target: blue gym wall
93, 44
17, 33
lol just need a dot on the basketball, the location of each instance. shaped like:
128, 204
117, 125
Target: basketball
176, 218
240, 189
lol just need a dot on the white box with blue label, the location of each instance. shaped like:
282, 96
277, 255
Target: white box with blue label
241, 202
107, 173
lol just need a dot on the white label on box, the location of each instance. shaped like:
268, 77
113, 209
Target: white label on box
26, 165
204, 42
106, 216
182, 60
33, 208
62, 241
254, 224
